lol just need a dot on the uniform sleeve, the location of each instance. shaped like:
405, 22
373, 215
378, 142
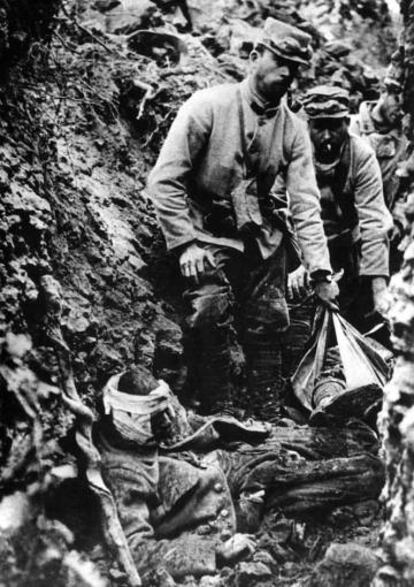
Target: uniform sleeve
374, 218
305, 205
168, 181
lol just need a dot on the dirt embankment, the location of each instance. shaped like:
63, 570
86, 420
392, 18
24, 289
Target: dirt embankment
84, 110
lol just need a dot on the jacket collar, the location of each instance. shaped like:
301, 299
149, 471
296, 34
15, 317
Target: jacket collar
255, 101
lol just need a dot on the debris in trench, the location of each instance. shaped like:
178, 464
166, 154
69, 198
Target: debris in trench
165, 48
346, 565
45, 549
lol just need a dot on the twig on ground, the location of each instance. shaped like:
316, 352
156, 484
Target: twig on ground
88, 32
95, 38
149, 94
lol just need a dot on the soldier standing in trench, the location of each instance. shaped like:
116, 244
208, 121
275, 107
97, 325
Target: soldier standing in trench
379, 122
355, 218
211, 187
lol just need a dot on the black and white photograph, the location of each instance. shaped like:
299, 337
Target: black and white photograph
206, 293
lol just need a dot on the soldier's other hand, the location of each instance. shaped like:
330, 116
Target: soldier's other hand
236, 548
194, 261
327, 292
298, 283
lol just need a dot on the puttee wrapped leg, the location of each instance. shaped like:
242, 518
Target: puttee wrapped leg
211, 331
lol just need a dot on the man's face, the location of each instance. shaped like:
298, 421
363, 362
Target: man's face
327, 136
272, 75
162, 424
391, 107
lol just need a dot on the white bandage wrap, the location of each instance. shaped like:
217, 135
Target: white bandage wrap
142, 405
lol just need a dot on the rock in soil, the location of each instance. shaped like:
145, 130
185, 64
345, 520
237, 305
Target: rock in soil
346, 565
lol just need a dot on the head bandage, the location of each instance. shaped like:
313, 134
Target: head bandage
131, 414
143, 405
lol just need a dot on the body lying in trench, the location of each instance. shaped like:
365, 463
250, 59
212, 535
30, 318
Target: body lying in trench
190, 490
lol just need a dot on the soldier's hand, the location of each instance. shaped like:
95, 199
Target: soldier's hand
327, 292
236, 548
298, 283
194, 261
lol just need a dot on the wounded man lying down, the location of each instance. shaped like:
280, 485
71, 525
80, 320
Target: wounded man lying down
185, 484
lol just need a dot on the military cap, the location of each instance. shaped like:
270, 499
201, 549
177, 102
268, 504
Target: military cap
326, 102
286, 41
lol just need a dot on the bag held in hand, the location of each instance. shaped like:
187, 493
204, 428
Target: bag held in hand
362, 363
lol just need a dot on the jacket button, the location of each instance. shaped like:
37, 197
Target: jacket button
224, 513
204, 530
218, 487
226, 534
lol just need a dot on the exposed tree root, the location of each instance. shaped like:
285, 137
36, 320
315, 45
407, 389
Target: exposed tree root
89, 459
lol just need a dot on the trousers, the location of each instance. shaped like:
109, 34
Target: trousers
234, 317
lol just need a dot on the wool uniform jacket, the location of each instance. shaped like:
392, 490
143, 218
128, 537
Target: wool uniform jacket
175, 507
173, 513
367, 219
203, 160
390, 149
372, 220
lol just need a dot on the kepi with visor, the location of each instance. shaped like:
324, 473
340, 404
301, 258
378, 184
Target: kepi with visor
286, 41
